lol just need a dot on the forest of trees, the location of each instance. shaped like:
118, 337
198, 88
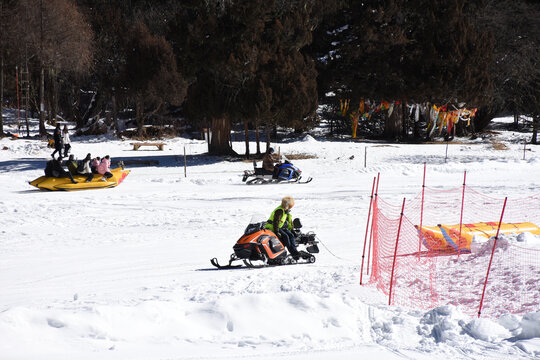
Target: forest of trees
260, 64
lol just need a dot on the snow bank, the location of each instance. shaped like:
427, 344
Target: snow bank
309, 139
482, 246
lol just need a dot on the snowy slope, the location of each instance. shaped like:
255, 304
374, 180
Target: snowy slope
124, 273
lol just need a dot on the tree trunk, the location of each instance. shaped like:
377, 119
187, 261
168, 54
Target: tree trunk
1, 79
42, 130
49, 106
208, 135
54, 96
27, 98
267, 128
257, 138
1, 94
246, 132
516, 119
221, 135
78, 117
139, 109
405, 119
115, 113
393, 125
536, 124
48, 99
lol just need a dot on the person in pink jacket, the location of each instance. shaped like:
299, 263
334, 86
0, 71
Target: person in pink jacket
103, 167
94, 164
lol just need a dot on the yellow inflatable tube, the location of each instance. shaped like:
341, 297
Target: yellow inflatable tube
447, 237
65, 184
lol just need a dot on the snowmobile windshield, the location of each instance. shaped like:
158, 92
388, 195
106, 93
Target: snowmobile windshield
258, 218
257, 223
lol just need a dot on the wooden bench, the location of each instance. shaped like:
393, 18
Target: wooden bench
136, 146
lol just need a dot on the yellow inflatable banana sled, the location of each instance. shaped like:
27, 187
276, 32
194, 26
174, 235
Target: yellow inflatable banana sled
447, 237
65, 184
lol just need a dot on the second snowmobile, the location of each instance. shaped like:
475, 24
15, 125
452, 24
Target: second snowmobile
260, 247
284, 172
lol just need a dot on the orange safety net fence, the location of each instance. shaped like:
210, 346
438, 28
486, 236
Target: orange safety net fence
452, 268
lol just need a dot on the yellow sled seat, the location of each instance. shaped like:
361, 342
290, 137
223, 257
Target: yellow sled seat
65, 184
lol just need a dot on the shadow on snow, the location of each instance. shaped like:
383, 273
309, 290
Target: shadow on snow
26, 164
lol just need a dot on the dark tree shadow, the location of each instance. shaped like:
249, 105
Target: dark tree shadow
25, 164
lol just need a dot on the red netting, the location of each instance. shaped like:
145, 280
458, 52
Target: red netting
443, 251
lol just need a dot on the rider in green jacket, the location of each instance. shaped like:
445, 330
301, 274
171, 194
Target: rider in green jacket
280, 223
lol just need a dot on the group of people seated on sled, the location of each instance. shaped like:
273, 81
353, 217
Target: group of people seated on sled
87, 167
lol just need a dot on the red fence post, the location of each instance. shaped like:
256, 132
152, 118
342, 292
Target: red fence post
371, 231
491, 259
461, 216
395, 254
367, 229
421, 213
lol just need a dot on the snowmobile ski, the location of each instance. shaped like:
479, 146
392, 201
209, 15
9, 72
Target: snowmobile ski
229, 266
289, 260
263, 181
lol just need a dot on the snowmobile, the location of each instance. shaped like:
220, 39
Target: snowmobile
284, 172
260, 247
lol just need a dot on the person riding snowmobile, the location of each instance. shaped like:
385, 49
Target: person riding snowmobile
280, 223
268, 161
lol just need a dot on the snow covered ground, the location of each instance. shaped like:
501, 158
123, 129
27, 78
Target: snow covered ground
124, 273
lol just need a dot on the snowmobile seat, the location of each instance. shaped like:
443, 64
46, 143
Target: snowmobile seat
260, 171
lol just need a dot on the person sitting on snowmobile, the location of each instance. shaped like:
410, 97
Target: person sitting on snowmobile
280, 223
268, 161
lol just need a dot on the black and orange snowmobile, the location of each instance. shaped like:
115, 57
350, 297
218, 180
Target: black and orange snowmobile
260, 247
